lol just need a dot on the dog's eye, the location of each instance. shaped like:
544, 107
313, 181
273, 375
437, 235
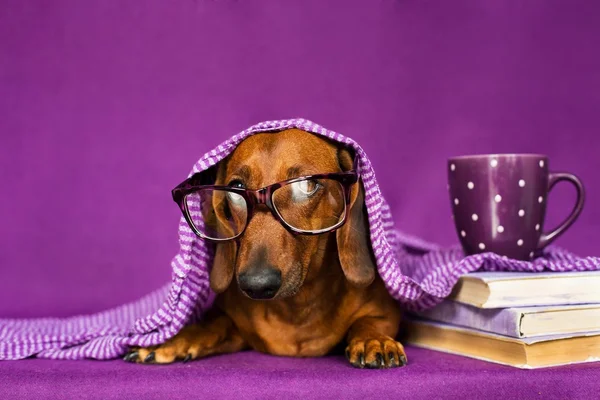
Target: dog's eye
304, 189
235, 198
236, 184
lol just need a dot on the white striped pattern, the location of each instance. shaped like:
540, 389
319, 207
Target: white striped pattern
417, 274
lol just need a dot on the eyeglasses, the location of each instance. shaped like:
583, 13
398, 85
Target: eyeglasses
308, 205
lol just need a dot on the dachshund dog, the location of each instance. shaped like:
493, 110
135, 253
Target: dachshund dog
290, 294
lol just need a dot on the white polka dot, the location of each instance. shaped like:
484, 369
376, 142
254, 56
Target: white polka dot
540, 199
521, 213
531, 255
522, 182
452, 167
456, 201
520, 242
494, 163
474, 217
541, 163
498, 198
537, 227
500, 229
470, 185
463, 233
481, 246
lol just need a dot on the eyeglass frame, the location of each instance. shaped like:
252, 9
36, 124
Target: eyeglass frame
256, 197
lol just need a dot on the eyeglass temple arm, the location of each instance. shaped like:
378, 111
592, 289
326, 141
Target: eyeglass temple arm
355, 162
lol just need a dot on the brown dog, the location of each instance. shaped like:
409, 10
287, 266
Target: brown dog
321, 288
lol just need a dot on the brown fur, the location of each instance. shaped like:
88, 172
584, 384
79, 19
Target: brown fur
330, 289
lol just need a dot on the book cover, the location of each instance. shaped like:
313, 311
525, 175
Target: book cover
519, 322
528, 353
516, 289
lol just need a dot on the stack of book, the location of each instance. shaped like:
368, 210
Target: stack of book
526, 320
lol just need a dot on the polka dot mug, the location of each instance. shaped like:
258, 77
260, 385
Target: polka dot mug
499, 203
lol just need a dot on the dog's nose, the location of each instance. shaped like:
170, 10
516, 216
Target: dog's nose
261, 284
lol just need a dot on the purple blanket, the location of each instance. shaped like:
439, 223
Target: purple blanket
417, 281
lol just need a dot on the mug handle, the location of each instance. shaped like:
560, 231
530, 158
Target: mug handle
553, 179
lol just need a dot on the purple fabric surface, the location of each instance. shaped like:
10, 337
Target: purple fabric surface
105, 105
417, 281
249, 375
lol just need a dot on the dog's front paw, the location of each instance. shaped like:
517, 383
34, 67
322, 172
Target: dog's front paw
381, 352
187, 345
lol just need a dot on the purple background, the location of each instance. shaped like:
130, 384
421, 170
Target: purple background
105, 106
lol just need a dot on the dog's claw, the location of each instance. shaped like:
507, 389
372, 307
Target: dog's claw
131, 356
150, 357
187, 358
377, 362
403, 361
361, 360
391, 358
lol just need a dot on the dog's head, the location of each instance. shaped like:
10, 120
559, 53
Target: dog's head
268, 260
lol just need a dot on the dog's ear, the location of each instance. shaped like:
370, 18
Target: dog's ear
353, 240
221, 273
